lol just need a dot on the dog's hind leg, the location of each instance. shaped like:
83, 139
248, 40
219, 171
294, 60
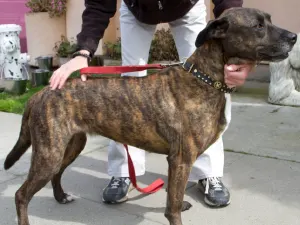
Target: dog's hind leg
180, 165
45, 162
74, 148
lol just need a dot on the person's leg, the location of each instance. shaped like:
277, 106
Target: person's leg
135, 44
209, 166
208, 169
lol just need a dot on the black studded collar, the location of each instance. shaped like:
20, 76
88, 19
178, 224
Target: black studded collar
206, 78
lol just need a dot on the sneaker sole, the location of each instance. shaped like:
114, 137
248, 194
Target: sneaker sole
116, 202
124, 199
214, 204
209, 202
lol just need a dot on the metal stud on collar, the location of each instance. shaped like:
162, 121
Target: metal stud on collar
218, 85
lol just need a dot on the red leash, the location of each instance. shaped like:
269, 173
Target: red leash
119, 69
159, 183
152, 188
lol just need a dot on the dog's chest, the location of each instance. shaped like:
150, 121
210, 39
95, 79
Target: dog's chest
207, 120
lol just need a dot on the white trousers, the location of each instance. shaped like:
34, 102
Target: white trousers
136, 39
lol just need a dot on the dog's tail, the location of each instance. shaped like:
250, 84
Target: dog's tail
23, 142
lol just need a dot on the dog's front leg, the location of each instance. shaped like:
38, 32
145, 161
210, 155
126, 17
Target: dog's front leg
180, 164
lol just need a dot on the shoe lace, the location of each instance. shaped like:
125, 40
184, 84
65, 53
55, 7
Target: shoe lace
116, 183
214, 182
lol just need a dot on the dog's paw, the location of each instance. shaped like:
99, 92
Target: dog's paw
66, 199
185, 206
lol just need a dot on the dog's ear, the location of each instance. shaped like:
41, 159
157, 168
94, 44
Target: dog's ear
214, 29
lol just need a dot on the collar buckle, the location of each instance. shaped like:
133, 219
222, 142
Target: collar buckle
188, 66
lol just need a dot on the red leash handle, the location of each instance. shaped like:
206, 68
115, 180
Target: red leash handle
152, 188
118, 69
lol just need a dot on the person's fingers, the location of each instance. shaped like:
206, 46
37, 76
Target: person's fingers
235, 75
55, 81
53, 77
232, 67
62, 80
247, 67
83, 77
235, 79
60, 76
239, 75
231, 85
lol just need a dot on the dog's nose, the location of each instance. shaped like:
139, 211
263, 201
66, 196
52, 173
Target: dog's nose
292, 37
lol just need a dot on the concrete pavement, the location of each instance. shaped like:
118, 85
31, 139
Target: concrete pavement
262, 167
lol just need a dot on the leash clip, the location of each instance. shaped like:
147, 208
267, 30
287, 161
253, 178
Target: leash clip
171, 64
189, 67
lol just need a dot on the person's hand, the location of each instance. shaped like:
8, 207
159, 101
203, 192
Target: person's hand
60, 76
235, 75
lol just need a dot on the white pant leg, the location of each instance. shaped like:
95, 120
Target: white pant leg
135, 42
211, 162
185, 31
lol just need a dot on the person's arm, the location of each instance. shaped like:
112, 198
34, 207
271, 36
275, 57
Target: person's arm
221, 5
95, 19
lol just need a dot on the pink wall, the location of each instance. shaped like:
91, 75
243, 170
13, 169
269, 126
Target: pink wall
13, 11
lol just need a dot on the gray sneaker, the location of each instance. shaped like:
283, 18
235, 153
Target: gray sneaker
216, 194
117, 190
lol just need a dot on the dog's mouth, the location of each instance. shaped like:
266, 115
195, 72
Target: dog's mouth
273, 57
277, 52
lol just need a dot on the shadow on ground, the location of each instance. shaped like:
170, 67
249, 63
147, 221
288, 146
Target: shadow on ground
86, 178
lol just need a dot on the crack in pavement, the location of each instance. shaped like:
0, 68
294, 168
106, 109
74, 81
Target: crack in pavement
261, 156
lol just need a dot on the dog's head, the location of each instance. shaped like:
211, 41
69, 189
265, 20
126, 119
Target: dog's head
249, 34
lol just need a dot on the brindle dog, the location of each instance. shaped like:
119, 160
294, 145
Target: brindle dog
170, 112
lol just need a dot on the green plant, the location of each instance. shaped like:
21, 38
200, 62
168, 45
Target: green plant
163, 47
97, 60
113, 50
16, 103
55, 8
65, 48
